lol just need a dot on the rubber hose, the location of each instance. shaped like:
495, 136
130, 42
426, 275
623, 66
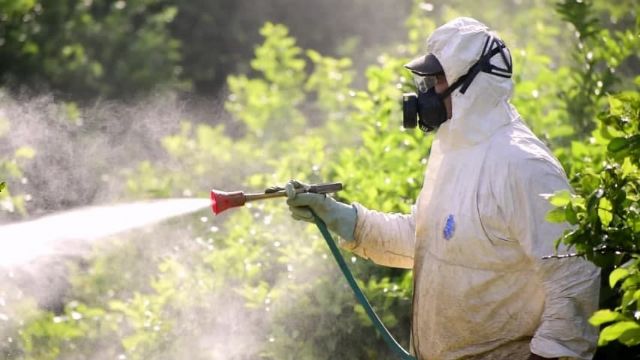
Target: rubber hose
386, 335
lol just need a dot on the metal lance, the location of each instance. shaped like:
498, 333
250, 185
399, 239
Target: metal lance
221, 200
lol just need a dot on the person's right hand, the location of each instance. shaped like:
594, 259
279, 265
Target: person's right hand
339, 217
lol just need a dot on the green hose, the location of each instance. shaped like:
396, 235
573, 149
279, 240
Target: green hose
388, 338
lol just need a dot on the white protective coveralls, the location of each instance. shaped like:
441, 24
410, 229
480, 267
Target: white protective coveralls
477, 233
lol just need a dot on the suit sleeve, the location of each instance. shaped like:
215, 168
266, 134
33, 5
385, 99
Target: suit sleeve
571, 284
386, 239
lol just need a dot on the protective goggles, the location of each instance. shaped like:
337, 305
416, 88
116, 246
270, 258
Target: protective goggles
424, 82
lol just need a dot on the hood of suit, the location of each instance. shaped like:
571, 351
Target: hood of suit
485, 106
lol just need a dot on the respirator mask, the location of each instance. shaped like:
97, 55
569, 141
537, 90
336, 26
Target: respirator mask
426, 109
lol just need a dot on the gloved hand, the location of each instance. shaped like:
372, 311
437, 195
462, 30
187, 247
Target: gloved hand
339, 217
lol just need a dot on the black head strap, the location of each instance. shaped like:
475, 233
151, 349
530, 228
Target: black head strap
492, 46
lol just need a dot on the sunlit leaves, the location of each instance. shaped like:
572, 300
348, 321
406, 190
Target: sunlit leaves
91, 48
16, 7
580, 14
144, 314
561, 198
605, 213
537, 84
148, 181
385, 172
627, 332
47, 335
331, 80
556, 215
604, 316
595, 61
419, 26
618, 274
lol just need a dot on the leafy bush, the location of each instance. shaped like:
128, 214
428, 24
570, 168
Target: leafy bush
606, 218
89, 48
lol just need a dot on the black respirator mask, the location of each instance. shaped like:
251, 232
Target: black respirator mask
426, 108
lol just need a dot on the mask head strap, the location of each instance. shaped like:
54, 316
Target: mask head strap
492, 47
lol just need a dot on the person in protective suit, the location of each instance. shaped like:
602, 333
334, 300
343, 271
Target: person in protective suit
477, 234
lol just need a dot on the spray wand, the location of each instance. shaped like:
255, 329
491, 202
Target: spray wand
221, 201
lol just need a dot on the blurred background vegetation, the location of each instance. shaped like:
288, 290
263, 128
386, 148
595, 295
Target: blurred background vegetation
105, 101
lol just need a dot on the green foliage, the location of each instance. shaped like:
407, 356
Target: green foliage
385, 171
597, 55
219, 37
604, 171
267, 106
47, 336
90, 48
241, 253
330, 80
16, 7
606, 218
622, 324
536, 101
11, 167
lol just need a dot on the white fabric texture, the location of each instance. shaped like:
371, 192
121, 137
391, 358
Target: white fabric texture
477, 234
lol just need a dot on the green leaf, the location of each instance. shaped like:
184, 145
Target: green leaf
628, 167
604, 211
617, 275
556, 215
630, 283
561, 198
604, 316
616, 106
617, 144
630, 337
624, 331
2, 186
579, 148
570, 214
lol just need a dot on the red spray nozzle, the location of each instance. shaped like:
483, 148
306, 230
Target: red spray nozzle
221, 200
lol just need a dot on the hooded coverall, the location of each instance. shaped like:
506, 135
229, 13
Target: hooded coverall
477, 233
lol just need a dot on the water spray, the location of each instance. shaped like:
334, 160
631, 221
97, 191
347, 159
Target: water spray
221, 201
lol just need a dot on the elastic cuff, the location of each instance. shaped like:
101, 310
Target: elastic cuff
551, 349
351, 245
